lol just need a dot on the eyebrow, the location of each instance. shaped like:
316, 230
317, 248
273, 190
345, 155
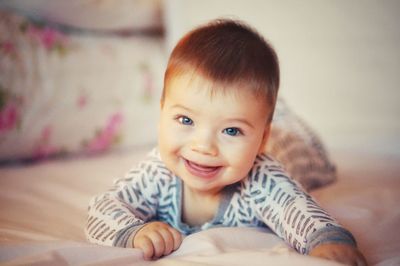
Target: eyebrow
243, 121
237, 120
182, 107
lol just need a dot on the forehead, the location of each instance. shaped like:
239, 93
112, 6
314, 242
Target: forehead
194, 82
195, 91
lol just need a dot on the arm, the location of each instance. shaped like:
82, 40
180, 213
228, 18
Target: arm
114, 216
294, 215
121, 217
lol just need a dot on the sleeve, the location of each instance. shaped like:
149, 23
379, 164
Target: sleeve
292, 214
116, 215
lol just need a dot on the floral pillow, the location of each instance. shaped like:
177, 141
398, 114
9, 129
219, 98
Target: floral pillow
299, 149
66, 93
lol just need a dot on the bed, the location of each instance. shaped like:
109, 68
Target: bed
43, 211
65, 136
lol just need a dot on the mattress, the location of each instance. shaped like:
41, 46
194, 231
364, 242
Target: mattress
43, 212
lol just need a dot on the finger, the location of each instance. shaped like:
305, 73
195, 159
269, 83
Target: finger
146, 245
158, 243
177, 236
168, 240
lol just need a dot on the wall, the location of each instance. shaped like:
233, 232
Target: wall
340, 61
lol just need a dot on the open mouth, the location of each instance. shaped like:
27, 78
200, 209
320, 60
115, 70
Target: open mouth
201, 170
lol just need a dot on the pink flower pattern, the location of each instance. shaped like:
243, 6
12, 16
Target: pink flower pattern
50, 38
108, 136
8, 48
82, 101
8, 117
44, 148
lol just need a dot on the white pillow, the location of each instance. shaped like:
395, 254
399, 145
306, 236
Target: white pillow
70, 93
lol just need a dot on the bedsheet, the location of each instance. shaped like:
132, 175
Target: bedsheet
43, 211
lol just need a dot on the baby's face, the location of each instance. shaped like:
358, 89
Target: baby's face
210, 141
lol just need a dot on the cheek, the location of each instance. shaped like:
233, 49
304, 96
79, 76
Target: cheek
249, 145
243, 155
169, 137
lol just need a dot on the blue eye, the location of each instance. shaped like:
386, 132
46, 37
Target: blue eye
232, 131
184, 120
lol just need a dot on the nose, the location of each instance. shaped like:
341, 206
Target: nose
204, 142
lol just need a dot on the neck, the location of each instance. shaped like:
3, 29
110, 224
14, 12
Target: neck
199, 207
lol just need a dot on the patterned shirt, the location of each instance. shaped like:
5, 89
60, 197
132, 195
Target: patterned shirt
266, 197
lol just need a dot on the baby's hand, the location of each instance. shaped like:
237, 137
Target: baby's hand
157, 239
342, 253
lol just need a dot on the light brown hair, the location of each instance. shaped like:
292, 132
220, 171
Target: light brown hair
228, 52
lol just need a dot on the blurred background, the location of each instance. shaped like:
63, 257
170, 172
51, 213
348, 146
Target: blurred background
340, 61
86, 75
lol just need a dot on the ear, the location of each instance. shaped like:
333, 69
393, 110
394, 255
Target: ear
265, 138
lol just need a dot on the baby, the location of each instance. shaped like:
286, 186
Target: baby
219, 96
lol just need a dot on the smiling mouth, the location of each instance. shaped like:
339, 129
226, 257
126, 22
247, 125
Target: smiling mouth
202, 170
